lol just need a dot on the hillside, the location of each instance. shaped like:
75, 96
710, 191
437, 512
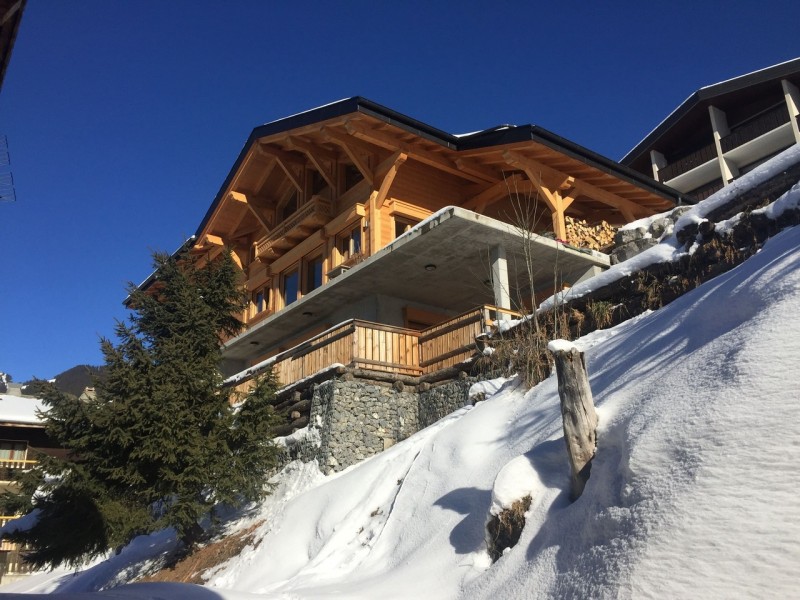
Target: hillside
692, 493
76, 379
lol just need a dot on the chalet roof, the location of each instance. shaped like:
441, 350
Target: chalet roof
469, 143
738, 91
10, 17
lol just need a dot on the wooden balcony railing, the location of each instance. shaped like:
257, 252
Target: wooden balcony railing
758, 125
383, 348
354, 343
688, 162
309, 217
9, 466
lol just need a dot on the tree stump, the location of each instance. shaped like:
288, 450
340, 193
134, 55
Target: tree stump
577, 412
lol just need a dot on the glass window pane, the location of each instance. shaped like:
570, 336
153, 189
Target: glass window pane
290, 291
313, 274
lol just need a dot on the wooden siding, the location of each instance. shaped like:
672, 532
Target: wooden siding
451, 342
383, 348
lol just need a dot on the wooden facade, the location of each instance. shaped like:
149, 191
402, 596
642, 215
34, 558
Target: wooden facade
313, 195
374, 347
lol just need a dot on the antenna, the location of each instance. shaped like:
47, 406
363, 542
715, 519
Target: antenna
7, 193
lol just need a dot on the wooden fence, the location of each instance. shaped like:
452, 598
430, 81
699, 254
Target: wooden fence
354, 343
384, 348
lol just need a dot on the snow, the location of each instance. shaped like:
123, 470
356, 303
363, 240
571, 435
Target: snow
670, 249
20, 409
561, 346
692, 494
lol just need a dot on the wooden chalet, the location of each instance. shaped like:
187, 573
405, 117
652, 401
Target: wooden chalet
323, 210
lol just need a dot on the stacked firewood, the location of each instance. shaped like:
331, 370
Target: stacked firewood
583, 235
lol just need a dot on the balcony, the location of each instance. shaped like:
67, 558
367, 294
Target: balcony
10, 466
752, 140
755, 127
696, 159
307, 219
386, 349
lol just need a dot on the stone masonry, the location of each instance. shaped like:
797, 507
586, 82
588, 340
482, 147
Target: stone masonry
353, 418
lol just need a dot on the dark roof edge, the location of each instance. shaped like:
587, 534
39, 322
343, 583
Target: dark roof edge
708, 92
14, 19
508, 135
186, 245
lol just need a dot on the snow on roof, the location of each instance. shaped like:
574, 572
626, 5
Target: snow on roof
750, 74
20, 409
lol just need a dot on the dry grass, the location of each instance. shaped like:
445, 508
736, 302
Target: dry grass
190, 569
503, 530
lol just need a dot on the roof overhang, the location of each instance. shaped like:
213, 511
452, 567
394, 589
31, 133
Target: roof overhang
10, 18
452, 146
454, 245
722, 92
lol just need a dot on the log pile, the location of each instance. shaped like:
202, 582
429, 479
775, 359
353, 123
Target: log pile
291, 414
583, 235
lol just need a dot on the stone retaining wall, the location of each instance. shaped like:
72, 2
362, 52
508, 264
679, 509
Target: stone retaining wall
437, 402
353, 418
358, 418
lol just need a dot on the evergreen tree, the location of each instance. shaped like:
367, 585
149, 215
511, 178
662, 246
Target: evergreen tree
161, 444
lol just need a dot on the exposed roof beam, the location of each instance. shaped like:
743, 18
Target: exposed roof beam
532, 167
388, 179
350, 146
242, 198
287, 162
424, 156
317, 155
285, 157
467, 166
493, 193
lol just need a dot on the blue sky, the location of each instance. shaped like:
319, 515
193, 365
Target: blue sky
123, 118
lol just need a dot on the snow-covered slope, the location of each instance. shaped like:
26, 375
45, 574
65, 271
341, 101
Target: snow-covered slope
692, 493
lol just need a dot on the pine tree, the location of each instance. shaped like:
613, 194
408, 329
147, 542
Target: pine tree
161, 444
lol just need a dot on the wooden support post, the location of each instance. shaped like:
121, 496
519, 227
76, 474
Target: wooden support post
577, 412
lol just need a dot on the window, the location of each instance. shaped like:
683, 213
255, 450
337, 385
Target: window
349, 242
13, 450
290, 207
351, 176
289, 286
403, 224
318, 183
260, 300
313, 274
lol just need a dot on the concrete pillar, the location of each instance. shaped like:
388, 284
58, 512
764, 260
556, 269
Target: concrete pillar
792, 96
719, 123
658, 161
502, 295
590, 272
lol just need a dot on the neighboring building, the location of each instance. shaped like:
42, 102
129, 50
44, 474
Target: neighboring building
722, 131
371, 239
22, 440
